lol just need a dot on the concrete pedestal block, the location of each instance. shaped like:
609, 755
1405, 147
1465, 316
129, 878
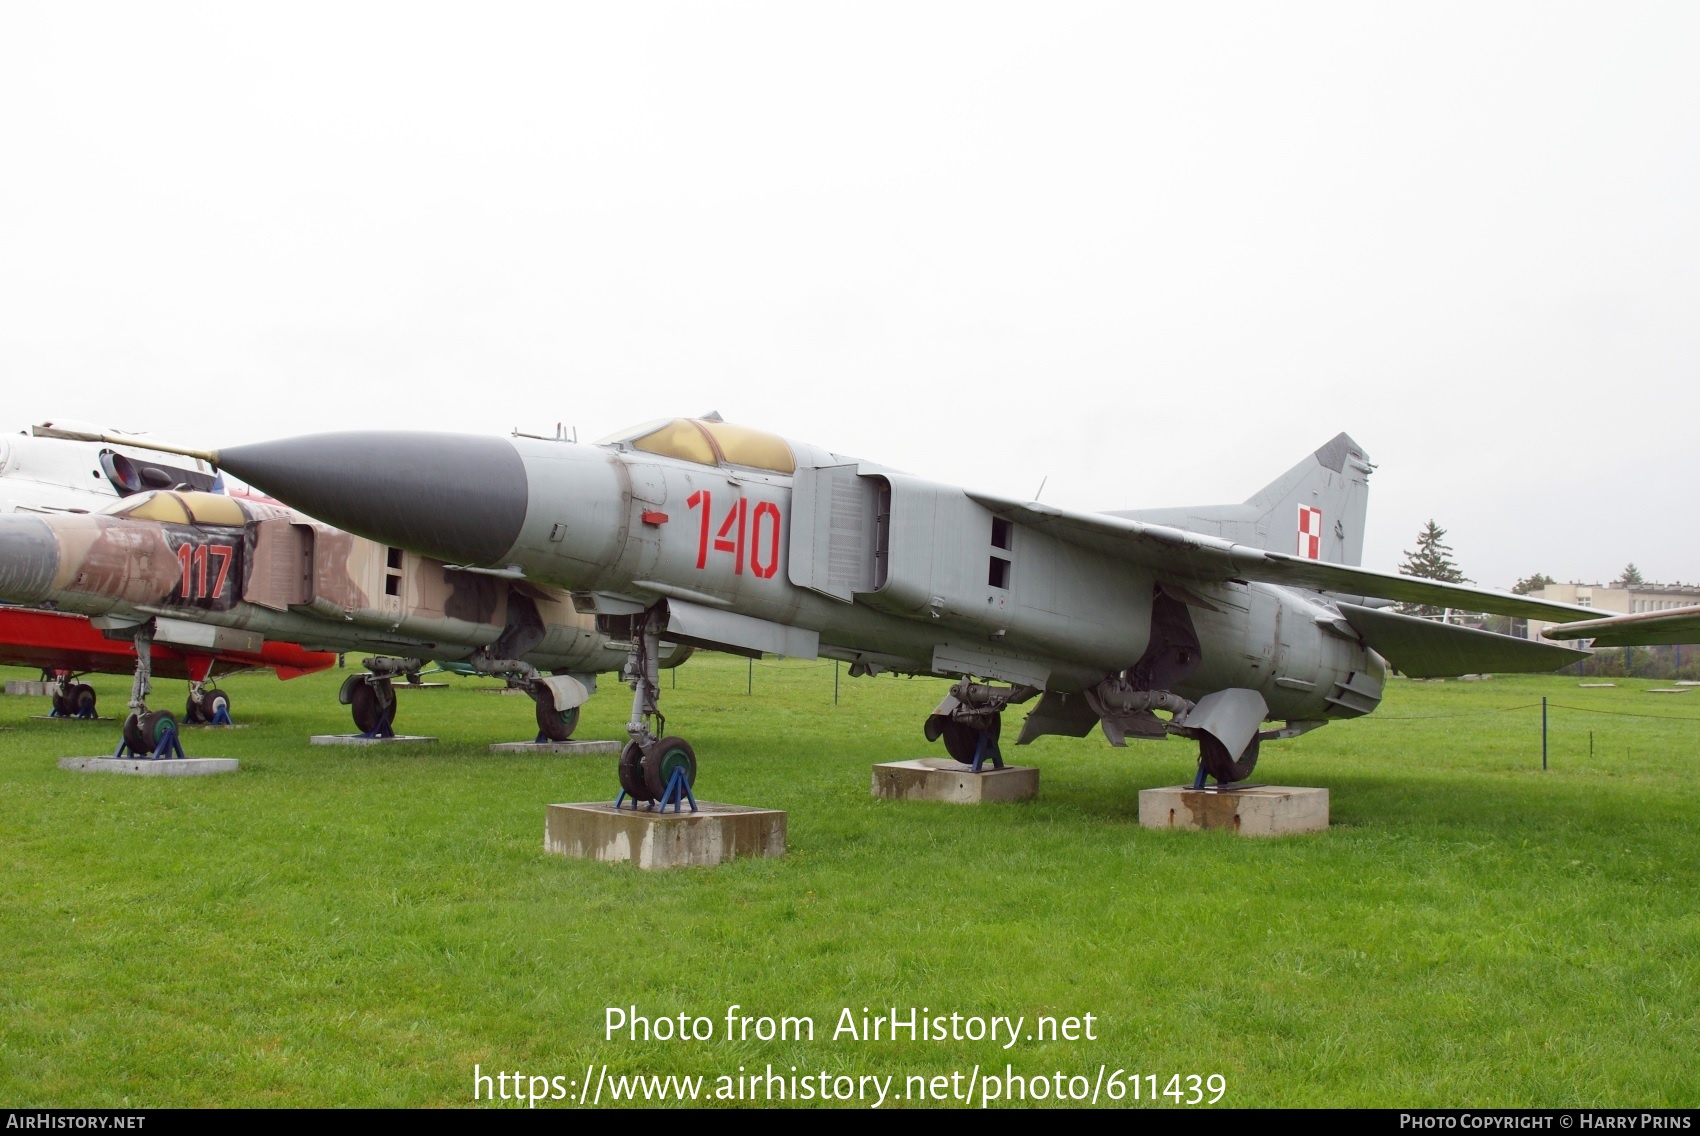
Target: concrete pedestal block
557, 747
165, 767
1255, 810
357, 740
33, 689
944, 779
595, 830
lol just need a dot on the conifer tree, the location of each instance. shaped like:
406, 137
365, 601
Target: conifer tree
1432, 560
1631, 575
1531, 584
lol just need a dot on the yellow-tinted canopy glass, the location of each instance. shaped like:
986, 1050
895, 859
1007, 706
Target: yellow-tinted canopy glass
757, 449
680, 438
159, 506
214, 509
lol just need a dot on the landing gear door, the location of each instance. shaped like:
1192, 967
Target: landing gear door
835, 531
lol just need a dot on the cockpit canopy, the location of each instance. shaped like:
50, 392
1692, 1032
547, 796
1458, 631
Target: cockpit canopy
186, 508
708, 441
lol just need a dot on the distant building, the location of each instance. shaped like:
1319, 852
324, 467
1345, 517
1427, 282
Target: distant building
1615, 599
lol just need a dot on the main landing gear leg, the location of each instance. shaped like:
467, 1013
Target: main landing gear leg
370, 697
654, 767
970, 719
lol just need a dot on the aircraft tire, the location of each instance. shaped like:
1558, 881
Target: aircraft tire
661, 759
1214, 757
363, 702
210, 702
62, 703
132, 731
631, 773
961, 740
82, 699
556, 725
191, 712
143, 732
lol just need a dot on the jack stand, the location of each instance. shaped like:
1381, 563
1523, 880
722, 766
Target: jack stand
1198, 781
221, 717
983, 749
381, 729
167, 747
678, 792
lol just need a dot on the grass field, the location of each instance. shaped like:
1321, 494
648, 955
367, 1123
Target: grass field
338, 926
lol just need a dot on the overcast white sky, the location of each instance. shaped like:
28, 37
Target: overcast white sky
1153, 252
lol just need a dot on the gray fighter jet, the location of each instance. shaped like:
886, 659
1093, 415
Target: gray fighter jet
1242, 623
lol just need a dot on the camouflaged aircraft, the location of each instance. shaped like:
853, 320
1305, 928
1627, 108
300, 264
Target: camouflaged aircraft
49, 476
1243, 623
225, 573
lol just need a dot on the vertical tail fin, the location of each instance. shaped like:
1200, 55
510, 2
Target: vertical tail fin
1315, 510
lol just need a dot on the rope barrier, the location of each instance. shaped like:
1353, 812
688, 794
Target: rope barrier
1373, 717
1527, 706
1626, 713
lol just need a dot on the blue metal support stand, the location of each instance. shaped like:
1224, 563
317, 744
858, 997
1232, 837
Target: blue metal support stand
1198, 782
382, 729
221, 717
677, 793
983, 748
167, 747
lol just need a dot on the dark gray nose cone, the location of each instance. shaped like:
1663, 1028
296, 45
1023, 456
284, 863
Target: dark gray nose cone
29, 556
457, 497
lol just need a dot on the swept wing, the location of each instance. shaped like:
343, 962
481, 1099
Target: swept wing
1177, 551
1637, 629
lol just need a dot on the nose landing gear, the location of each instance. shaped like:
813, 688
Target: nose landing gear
147, 733
655, 768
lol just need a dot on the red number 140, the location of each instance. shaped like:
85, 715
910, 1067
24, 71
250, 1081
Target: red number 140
757, 530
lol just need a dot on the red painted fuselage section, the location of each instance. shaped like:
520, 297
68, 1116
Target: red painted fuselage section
56, 641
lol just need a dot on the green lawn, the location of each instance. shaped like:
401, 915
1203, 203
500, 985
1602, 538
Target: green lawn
340, 926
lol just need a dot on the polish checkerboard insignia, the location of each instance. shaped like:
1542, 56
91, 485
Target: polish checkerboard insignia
1310, 532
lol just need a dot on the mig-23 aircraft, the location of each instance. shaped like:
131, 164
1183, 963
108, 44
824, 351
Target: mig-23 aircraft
49, 476
226, 572
1244, 623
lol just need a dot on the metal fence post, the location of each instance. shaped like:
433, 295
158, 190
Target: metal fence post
1543, 732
